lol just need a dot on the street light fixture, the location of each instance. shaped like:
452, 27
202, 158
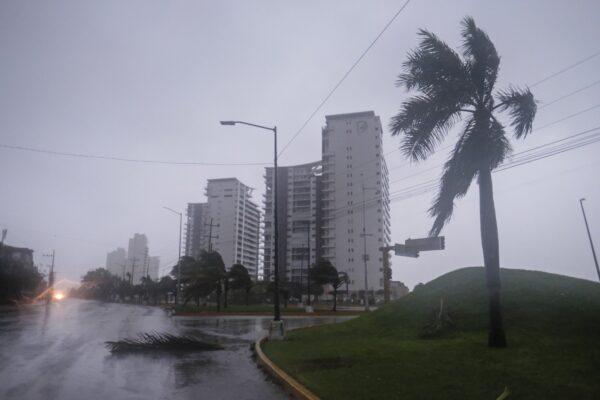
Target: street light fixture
178, 288
276, 328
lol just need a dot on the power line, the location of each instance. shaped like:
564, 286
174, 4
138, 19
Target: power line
113, 158
577, 140
567, 117
449, 146
565, 69
322, 103
544, 105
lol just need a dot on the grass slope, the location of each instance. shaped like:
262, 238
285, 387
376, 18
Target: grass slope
552, 324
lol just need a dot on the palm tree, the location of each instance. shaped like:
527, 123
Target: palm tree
453, 89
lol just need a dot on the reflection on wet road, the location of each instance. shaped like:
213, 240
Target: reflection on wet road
59, 353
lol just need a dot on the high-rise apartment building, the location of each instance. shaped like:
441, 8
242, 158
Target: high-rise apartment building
196, 234
153, 267
116, 262
355, 171
331, 205
298, 200
229, 222
137, 257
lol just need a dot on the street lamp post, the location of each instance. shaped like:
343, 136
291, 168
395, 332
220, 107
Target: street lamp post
178, 288
314, 173
587, 227
276, 331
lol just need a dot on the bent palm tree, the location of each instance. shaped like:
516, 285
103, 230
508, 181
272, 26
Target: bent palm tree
451, 89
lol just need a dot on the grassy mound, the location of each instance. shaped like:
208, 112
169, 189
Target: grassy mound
553, 330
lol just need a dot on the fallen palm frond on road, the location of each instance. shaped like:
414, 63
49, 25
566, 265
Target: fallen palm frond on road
162, 342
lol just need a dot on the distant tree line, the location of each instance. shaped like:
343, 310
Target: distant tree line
19, 280
205, 280
99, 284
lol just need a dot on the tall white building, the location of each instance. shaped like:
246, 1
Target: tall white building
229, 222
298, 200
137, 257
330, 205
196, 233
354, 169
116, 262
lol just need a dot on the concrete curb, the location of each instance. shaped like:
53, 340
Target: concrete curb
298, 391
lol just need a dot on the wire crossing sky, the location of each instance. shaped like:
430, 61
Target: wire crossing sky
111, 110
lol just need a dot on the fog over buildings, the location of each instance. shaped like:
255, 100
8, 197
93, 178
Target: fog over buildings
151, 80
135, 263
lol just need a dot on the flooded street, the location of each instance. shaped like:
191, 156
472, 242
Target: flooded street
59, 353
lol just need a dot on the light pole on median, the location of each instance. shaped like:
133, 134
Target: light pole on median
178, 288
587, 227
277, 314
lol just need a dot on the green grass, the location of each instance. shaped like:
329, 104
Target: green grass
552, 324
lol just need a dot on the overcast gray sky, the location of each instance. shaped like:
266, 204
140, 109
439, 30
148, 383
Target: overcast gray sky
151, 79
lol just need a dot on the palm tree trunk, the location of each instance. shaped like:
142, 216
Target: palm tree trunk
491, 256
219, 297
334, 299
226, 293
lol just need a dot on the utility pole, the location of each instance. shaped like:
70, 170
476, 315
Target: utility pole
178, 287
133, 259
50, 277
308, 264
365, 255
210, 235
587, 227
124, 266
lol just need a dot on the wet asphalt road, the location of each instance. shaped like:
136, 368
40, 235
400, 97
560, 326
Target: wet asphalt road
58, 352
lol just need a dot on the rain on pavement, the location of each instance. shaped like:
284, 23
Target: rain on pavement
58, 352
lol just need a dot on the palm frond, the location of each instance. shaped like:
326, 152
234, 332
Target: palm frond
521, 106
425, 123
436, 70
459, 172
481, 57
498, 146
160, 341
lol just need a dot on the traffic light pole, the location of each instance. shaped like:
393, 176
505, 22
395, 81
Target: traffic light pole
410, 248
387, 272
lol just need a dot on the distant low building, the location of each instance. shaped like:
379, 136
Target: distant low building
18, 254
398, 290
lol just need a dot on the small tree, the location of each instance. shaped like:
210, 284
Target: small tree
239, 278
212, 273
323, 273
340, 279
